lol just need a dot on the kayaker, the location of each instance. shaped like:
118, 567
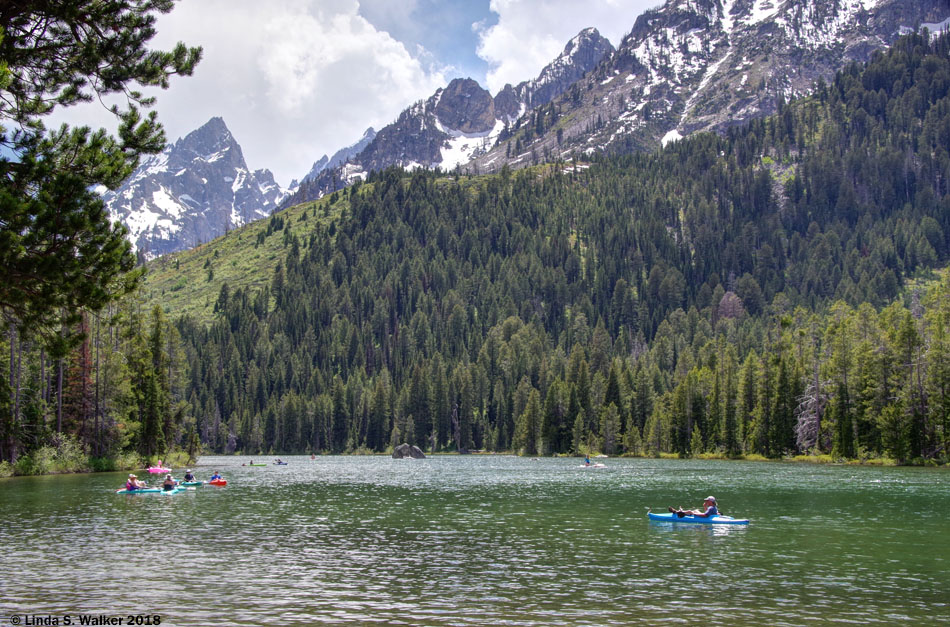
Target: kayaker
587, 460
215, 476
709, 509
189, 476
169, 483
133, 483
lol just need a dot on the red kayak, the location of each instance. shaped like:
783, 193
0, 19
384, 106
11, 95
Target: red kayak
218, 482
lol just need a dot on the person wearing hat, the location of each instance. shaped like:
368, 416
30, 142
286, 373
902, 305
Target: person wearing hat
169, 483
133, 483
709, 509
189, 476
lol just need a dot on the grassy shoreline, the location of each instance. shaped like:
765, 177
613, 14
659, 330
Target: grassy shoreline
66, 457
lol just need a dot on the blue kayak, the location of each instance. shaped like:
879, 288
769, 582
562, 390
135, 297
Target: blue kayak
670, 517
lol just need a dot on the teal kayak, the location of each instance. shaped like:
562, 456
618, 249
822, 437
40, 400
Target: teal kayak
151, 491
191, 483
670, 517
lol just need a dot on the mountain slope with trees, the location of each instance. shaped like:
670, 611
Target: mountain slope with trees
511, 312
740, 294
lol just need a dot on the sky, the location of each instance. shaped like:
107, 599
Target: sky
297, 79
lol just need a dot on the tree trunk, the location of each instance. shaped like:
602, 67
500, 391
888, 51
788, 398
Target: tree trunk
44, 383
97, 409
11, 432
59, 395
16, 397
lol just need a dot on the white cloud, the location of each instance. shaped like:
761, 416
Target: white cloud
530, 33
293, 79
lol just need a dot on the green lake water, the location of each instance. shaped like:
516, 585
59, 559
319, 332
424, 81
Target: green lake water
482, 540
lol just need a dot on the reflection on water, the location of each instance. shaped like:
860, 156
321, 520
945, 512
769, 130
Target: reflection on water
483, 540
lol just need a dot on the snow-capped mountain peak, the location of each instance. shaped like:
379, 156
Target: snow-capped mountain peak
193, 191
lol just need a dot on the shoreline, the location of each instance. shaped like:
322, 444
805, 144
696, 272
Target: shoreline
7, 471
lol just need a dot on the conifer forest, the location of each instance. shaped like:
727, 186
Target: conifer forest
777, 290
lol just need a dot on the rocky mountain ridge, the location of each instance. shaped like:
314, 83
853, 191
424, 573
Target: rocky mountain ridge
340, 157
694, 65
686, 66
195, 190
460, 121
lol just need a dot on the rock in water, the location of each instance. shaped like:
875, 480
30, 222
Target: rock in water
407, 450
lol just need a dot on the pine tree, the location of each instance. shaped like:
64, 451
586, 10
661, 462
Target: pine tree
340, 415
844, 432
59, 250
610, 429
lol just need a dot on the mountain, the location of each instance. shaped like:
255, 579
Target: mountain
457, 123
693, 65
341, 156
197, 189
763, 291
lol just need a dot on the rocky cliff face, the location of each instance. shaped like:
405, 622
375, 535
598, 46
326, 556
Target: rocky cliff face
195, 190
694, 65
459, 122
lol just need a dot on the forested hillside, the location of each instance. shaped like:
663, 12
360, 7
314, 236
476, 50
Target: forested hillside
738, 294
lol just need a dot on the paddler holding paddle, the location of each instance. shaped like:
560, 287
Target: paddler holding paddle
709, 509
133, 483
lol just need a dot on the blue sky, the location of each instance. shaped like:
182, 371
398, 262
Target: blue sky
297, 79
443, 30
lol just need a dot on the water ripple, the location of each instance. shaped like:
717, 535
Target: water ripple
483, 541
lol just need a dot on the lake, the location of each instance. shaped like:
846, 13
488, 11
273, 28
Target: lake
480, 540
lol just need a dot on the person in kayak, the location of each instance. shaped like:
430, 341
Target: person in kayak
587, 460
169, 483
189, 476
709, 509
133, 483
215, 476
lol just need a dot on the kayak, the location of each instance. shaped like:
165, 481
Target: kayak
174, 490
257, 464
280, 463
218, 482
592, 466
698, 520
151, 491
156, 469
191, 483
